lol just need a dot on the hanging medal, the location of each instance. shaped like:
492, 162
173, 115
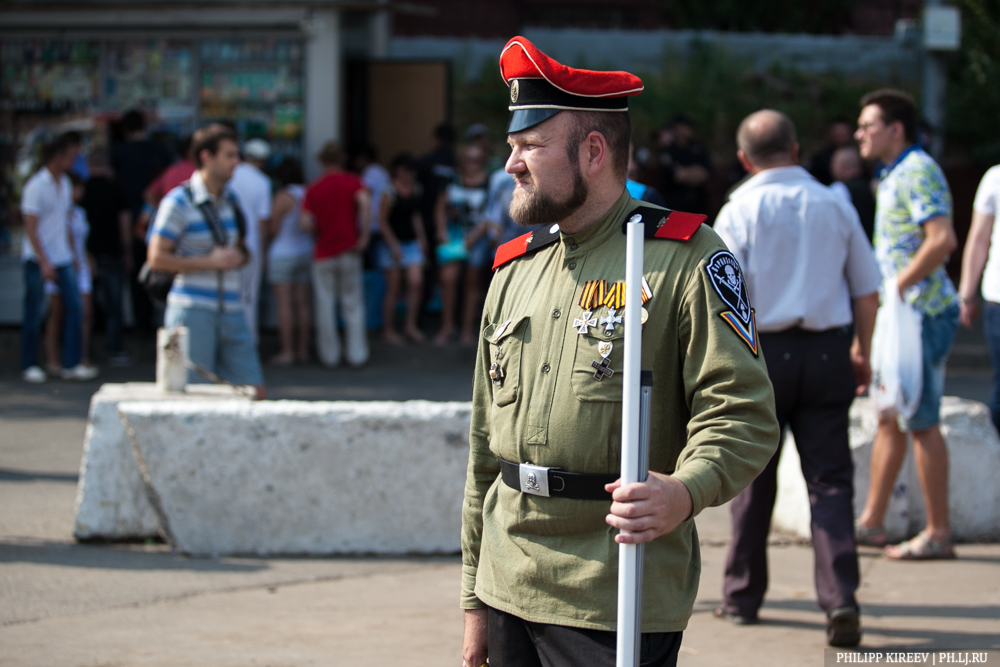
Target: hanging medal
602, 368
496, 372
585, 322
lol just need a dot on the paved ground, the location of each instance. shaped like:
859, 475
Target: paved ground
67, 604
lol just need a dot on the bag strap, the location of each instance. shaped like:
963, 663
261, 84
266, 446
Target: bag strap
215, 224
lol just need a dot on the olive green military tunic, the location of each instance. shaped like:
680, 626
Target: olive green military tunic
554, 560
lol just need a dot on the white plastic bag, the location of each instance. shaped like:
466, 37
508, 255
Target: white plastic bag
897, 356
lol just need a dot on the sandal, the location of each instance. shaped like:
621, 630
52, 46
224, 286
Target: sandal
870, 537
922, 547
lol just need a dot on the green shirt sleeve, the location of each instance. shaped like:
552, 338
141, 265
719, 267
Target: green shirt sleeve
733, 430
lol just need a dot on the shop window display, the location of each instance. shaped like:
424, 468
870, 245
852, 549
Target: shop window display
151, 74
258, 84
46, 87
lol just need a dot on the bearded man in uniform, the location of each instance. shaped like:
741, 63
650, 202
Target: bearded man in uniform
543, 505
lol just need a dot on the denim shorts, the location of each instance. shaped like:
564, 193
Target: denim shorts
220, 342
410, 255
297, 270
937, 335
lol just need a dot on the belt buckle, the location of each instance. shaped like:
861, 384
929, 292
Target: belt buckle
534, 479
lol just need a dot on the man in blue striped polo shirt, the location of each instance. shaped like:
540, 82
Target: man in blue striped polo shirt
196, 236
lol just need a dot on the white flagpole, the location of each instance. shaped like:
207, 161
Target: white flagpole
630, 555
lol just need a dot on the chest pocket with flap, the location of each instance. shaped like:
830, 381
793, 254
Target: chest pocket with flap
506, 338
586, 387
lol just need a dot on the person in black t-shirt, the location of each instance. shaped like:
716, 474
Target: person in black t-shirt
110, 242
403, 248
136, 162
849, 181
685, 165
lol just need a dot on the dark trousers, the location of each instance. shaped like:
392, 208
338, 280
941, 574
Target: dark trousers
514, 642
991, 326
109, 283
813, 388
143, 310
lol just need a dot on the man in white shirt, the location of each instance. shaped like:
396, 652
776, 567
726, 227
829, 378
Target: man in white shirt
981, 262
253, 191
48, 255
811, 274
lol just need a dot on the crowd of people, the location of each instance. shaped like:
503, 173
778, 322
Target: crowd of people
429, 224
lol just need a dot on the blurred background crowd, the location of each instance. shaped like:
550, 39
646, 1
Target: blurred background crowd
413, 100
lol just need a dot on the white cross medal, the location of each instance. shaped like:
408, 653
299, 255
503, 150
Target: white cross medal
585, 322
610, 321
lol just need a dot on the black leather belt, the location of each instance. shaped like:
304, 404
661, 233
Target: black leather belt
552, 482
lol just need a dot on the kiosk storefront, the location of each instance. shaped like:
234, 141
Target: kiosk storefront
273, 68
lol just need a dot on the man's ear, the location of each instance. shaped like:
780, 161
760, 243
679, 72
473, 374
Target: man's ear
597, 152
745, 161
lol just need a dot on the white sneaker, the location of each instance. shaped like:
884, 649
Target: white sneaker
34, 375
79, 372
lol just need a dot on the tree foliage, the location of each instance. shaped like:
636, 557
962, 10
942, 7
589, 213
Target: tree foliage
793, 16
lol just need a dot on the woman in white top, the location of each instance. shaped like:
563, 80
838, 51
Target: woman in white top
79, 229
289, 263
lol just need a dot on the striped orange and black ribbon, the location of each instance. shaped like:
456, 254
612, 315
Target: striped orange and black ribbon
594, 293
616, 295
597, 293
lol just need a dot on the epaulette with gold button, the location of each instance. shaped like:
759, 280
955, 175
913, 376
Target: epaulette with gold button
662, 223
522, 245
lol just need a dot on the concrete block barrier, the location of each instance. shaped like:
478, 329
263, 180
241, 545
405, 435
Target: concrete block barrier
974, 471
111, 501
290, 477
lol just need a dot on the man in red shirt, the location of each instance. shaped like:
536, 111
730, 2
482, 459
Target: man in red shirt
337, 209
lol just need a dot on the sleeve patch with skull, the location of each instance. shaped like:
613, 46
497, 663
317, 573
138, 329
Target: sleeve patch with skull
727, 279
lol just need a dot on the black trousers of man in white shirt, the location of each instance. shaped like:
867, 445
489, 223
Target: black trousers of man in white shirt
814, 385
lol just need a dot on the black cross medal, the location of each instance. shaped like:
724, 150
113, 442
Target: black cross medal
602, 369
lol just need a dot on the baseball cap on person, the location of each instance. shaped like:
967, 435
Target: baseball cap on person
257, 149
541, 87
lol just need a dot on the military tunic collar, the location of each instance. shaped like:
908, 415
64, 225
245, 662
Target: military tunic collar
597, 234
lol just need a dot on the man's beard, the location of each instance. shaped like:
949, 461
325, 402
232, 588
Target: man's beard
536, 208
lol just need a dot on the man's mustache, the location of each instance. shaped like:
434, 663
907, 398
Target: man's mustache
522, 177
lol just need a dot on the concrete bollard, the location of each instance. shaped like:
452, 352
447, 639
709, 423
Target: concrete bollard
293, 477
111, 501
974, 468
171, 374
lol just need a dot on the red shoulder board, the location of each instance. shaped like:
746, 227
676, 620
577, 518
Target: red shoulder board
522, 245
662, 223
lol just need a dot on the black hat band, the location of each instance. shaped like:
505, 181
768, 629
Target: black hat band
540, 94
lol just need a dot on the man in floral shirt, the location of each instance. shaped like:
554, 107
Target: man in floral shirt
913, 238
